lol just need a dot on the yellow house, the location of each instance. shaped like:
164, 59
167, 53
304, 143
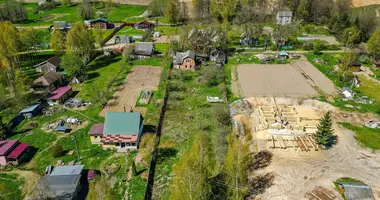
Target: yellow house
121, 130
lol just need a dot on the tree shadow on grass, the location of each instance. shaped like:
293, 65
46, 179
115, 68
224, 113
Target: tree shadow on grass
92, 75
165, 154
103, 62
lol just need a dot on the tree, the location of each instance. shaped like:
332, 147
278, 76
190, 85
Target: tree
201, 10
12, 11
9, 57
3, 129
351, 36
81, 41
317, 47
58, 42
236, 165
72, 63
99, 188
23, 82
374, 44
325, 133
191, 174
57, 151
85, 10
224, 10
172, 10
366, 23
29, 40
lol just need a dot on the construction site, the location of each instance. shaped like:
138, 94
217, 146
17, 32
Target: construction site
285, 127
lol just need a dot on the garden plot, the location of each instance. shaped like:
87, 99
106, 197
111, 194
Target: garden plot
273, 80
139, 78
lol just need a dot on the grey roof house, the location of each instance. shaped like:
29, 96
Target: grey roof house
356, 190
51, 64
62, 183
185, 61
284, 17
143, 50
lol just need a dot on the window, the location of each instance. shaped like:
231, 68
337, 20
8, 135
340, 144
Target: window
133, 144
188, 61
117, 144
95, 136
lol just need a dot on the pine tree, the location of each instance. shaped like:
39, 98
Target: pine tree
325, 133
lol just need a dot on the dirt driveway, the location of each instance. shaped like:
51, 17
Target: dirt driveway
273, 80
297, 173
140, 78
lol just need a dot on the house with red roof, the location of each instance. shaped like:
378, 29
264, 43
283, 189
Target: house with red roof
13, 152
144, 25
60, 95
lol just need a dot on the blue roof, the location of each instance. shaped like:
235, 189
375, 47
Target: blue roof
30, 108
283, 53
122, 123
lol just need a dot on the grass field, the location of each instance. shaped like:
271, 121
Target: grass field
10, 186
100, 73
118, 13
188, 113
366, 137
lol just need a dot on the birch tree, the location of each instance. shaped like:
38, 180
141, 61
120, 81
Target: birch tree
81, 41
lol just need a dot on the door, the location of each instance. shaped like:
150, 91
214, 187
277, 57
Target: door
122, 144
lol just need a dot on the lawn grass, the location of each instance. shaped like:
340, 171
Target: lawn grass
10, 186
162, 48
369, 88
187, 114
118, 13
366, 137
167, 30
100, 72
331, 61
148, 61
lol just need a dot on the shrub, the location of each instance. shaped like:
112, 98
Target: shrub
212, 75
365, 59
57, 151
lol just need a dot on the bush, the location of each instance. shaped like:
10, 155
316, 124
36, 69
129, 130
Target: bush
212, 75
57, 151
365, 59
46, 6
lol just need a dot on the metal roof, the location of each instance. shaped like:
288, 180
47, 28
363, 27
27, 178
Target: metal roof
59, 92
143, 48
48, 78
357, 190
67, 170
6, 145
59, 187
122, 123
284, 14
30, 108
179, 56
18, 150
96, 129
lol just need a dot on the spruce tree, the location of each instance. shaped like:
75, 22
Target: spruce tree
325, 133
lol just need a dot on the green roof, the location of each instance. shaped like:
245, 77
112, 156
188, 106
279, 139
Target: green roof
122, 123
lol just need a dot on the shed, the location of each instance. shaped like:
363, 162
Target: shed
144, 25
96, 133
355, 66
31, 110
60, 25
98, 23
51, 64
48, 82
283, 55
356, 190
143, 50
60, 95
146, 95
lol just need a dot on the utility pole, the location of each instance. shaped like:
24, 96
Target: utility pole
76, 146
